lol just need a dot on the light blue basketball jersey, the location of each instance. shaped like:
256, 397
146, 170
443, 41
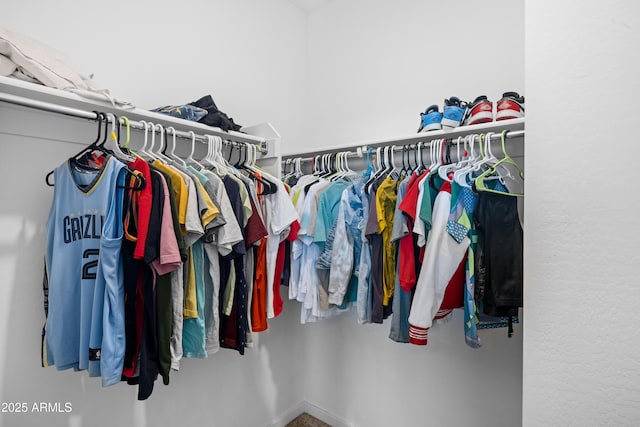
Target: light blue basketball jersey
86, 304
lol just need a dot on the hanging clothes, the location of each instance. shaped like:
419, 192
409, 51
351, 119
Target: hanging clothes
499, 256
85, 221
176, 271
404, 245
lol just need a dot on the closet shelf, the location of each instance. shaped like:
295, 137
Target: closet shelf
496, 127
28, 94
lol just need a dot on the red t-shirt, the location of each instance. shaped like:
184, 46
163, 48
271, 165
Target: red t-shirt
406, 249
259, 298
144, 206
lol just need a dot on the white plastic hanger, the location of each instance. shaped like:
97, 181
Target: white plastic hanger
190, 160
152, 128
164, 145
143, 150
445, 170
216, 157
432, 158
341, 165
436, 156
298, 167
488, 158
460, 176
171, 151
395, 170
349, 173
219, 153
158, 152
209, 160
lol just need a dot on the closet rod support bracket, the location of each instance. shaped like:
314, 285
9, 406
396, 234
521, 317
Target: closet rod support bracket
264, 148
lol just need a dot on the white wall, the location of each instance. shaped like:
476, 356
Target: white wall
581, 284
245, 53
373, 67
250, 56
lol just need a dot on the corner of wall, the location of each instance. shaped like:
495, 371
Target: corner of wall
303, 406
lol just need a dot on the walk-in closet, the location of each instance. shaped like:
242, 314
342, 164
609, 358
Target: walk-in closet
264, 131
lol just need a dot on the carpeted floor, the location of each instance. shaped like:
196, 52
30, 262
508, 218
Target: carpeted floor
306, 420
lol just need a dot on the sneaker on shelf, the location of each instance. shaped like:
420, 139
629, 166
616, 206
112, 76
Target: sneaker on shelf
479, 111
454, 112
431, 119
511, 106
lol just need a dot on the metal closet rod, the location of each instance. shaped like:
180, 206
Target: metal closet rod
90, 115
308, 159
362, 150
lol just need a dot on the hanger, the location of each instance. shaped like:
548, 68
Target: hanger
344, 172
506, 160
340, 164
190, 160
416, 165
339, 170
125, 146
420, 166
348, 173
125, 119
405, 168
211, 159
487, 158
289, 163
143, 151
80, 160
377, 172
268, 186
218, 152
152, 154
171, 153
114, 138
315, 166
324, 165
233, 145
207, 160
298, 167
434, 150
446, 171
99, 146
90, 147
116, 151
160, 152
334, 166
395, 170
369, 169
466, 162
438, 161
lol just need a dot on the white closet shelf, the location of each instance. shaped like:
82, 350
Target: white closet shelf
496, 127
13, 89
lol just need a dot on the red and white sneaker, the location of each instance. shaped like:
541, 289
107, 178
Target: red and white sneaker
511, 106
479, 111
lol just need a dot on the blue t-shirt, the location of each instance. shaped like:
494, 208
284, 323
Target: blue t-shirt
85, 320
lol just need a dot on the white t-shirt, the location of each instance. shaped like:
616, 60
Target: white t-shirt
279, 214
